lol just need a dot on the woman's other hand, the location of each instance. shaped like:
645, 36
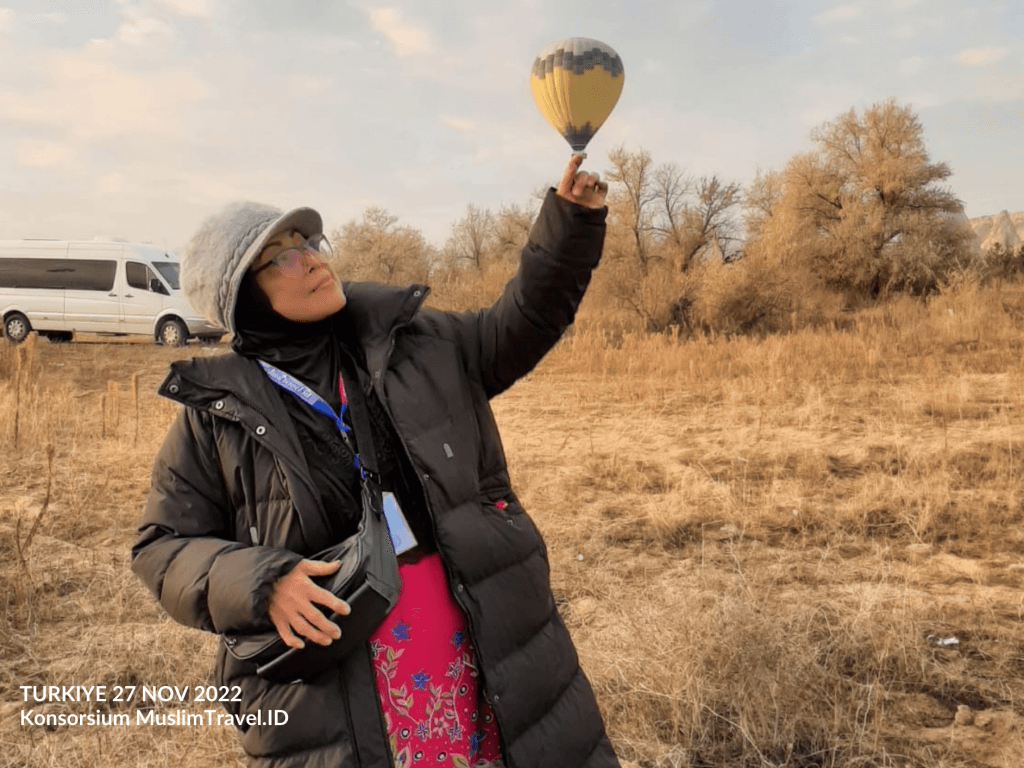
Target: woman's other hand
293, 602
580, 187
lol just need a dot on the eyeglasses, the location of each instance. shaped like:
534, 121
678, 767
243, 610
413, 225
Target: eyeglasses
292, 261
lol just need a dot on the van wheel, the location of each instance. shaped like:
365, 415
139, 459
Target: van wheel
172, 333
16, 328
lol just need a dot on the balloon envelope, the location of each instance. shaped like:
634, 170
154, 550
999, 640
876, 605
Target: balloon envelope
576, 83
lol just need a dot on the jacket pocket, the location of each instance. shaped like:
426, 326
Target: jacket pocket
502, 508
502, 502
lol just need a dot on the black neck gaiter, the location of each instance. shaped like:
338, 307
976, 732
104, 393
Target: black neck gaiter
305, 350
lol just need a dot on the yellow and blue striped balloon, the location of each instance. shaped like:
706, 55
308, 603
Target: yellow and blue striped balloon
576, 84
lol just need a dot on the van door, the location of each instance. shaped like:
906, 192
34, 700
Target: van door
142, 305
92, 291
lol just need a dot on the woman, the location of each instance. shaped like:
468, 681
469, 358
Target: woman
473, 665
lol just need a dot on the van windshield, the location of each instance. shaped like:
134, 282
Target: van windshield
169, 271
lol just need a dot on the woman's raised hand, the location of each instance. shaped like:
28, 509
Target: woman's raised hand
293, 602
580, 187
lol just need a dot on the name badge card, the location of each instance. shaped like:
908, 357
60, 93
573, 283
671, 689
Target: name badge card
401, 534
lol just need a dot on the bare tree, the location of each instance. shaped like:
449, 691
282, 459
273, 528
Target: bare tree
661, 225
511, 230
709, 223
472, 238
634, 200
378, 248
670, 189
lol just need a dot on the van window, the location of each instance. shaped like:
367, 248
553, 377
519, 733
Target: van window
72, 274
169, 270
138, 275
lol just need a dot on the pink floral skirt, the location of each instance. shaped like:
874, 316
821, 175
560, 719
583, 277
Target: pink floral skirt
426, 676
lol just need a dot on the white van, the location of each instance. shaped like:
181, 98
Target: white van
106, 286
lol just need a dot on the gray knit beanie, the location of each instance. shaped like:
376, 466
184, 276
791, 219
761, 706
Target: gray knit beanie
220, 252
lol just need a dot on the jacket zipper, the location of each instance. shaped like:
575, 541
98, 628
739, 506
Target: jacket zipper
383, 725
378, 384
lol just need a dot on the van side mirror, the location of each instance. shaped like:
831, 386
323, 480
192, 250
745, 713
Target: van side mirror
157, 287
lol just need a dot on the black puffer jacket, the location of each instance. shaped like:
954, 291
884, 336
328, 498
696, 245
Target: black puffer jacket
233, 507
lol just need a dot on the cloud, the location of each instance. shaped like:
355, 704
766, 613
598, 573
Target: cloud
9, 17
1000, 86
459, 124
146, 33
308, 85
911, 65
45, 154
199, 9
822, 99
56, 18
207, 188
109, 183
979, 57
405, 39
839, 13
905, 31
89, 97
927, 100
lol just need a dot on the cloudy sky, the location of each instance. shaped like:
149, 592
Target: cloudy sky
136, 118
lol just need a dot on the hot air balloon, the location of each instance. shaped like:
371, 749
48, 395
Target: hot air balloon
576, 83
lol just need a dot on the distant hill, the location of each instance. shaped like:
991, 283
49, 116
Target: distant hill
1006, 228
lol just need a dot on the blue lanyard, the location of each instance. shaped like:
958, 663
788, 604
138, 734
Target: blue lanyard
288, 382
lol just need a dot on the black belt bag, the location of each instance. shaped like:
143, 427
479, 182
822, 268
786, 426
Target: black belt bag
367, 580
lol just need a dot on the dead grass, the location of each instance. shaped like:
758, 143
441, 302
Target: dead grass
764, 549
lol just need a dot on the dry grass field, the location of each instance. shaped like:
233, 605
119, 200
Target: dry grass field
801, 551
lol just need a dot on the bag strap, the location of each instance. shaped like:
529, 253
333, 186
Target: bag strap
360, 414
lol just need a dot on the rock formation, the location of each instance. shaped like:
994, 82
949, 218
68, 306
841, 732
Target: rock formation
1005, 228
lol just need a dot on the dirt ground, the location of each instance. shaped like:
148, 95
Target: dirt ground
757, 568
